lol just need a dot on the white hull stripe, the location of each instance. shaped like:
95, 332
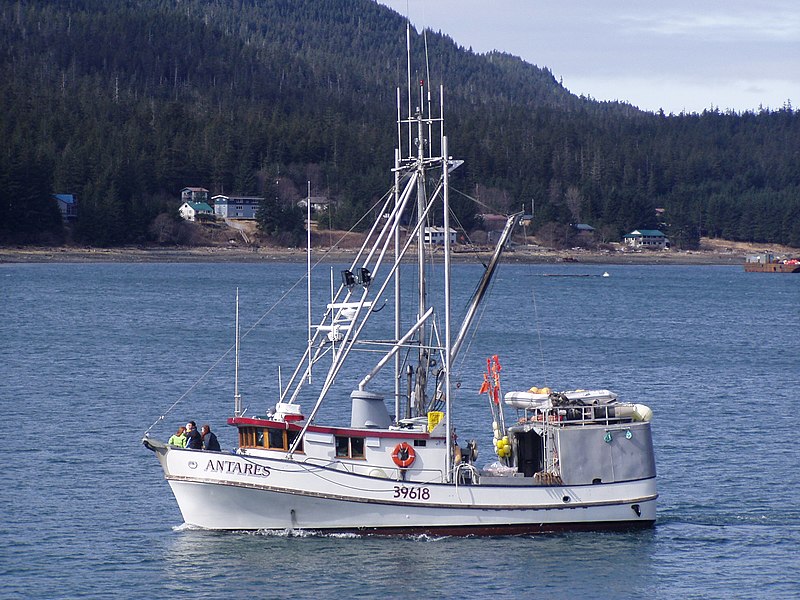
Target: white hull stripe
395, 502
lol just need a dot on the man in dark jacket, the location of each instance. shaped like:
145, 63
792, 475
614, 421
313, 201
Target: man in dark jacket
210, 441
193, 439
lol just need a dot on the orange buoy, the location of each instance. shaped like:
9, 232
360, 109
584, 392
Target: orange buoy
403, 455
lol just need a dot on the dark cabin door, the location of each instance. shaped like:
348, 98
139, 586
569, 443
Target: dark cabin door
530, 453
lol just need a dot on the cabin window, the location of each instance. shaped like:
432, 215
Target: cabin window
342, 447
247, 436
357, 447
276, 439
347, 447
268, 437
291, 436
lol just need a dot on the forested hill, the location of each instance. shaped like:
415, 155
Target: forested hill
125, 102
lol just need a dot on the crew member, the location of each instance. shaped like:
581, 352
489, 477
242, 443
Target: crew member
210, 441
193, 439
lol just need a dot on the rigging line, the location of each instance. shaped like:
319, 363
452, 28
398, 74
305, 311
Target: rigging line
351, 487
482, 204
224, 354
475, 200
539, 336
260, 319
459, 225
271, 467
471, 246
476, 326
356, 224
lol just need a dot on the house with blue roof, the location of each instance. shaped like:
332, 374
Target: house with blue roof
68, 205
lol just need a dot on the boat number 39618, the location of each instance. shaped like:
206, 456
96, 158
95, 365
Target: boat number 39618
412, 493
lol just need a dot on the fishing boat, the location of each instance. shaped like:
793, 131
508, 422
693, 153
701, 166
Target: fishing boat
768, 263
573, 460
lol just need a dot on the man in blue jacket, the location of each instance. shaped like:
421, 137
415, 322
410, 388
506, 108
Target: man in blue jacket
193, 439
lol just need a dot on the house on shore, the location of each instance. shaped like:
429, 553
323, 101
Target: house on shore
435, 236
68, 205
318, 203
195, 211
236, 207
647, 239
195, 194
582, 228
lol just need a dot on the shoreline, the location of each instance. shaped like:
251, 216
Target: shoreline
39, 255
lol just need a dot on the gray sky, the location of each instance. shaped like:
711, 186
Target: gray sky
676, 55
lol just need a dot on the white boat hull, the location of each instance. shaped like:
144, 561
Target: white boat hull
235, 492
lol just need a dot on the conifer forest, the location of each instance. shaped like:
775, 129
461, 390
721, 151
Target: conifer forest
125, 102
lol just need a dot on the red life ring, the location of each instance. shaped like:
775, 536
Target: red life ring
403, 455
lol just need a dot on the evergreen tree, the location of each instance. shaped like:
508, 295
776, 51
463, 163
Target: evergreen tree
125, 103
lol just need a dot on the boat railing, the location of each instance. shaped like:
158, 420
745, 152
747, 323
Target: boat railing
420, 475
576, 415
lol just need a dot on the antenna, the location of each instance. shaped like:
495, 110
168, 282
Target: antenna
399, 127
428, 90
408, 77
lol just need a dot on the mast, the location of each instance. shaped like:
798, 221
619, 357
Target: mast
397, 282
447, 345
237, 398
308, 275
422, 201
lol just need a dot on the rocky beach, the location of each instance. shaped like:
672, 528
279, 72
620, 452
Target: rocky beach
711, 252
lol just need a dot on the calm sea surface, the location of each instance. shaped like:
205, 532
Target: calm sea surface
92, 354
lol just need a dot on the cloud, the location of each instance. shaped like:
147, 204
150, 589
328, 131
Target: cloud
687, 54
675, 94
758, 26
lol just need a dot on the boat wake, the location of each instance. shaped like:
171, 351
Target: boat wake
309, 533
187, 527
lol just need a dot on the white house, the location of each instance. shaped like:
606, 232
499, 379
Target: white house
236, 207
651, 239
318, 203
190, 210
435, 236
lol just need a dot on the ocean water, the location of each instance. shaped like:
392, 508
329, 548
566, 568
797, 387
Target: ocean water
92, 355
